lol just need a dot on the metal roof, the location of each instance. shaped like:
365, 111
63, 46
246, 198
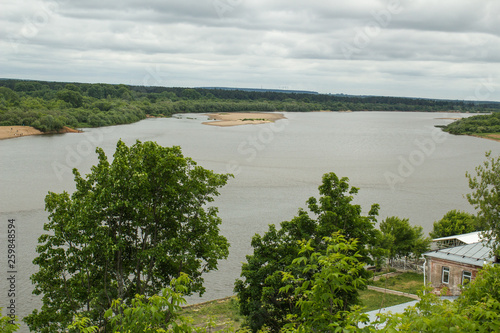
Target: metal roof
476, 254
471, 237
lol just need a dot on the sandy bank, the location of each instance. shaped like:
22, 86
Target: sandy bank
9, 132
489, 136
242, 118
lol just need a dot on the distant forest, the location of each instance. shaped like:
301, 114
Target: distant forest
483, 124
49, 106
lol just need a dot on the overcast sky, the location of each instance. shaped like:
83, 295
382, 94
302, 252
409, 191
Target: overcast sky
417, 48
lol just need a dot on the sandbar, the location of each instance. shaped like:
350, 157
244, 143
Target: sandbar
242, 118
9, 132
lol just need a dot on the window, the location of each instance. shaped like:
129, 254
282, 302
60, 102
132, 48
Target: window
466, 277
445, 276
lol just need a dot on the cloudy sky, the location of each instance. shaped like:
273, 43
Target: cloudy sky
417, 48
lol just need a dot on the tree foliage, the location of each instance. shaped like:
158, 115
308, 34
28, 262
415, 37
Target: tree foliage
402, 239
275, 251
454, 222
93, 105
7, 324
485, 198
159, 313
475, 125
325, 300
130, 227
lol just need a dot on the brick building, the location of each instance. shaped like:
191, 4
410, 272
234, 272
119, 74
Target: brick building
455, 266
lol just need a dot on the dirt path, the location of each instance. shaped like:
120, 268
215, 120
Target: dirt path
393, 292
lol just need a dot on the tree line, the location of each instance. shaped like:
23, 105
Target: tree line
48, 106
475, 125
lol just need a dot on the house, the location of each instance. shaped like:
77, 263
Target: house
456, 240
454, 266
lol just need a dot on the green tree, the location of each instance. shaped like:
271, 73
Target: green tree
454, 222
402, 239
190, 94
7, 324
72, 97
130, 227
159, 313
326, 298
485, 198
274, 252
11, 97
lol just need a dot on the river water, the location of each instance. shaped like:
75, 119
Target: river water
398, 160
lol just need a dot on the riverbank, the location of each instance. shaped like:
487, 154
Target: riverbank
242, 118
9, 132
489, 136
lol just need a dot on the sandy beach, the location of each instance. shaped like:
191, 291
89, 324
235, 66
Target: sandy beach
242, 118
9, 132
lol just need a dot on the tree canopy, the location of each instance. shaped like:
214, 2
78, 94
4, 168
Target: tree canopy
130, 227
402, 239
475, 125
94, 105
274, 252
485, 198
454, 222
326, 298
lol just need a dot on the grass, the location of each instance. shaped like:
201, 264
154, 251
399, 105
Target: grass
373, 300
224, 313
407, 282
218, 315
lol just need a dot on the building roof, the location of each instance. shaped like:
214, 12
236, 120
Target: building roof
471, 237
477, 254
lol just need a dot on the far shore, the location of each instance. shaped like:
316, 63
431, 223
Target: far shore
9, 132
242, 118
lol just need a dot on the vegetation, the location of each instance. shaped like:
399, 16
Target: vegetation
217, 315
476, 310
48, 106
158, 313
403, 240
141, 222
407, 282
274, 252
329, 290
455, 223
485, 198
484, 124
7, 324
373, 300
130, 227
